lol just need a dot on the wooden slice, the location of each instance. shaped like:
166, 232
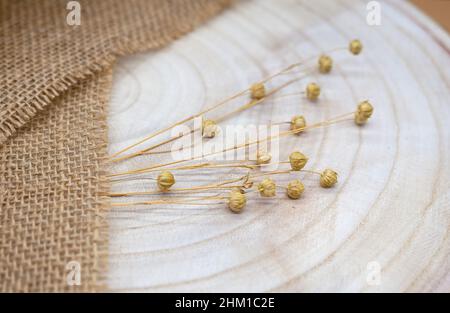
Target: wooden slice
383, 227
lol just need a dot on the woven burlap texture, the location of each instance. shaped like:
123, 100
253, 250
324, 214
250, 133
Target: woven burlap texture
55, 81
52, 210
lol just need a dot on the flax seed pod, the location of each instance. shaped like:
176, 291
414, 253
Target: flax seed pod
363, 112
258, 91
209, 128
355, 46
165, 180
298, 123
237, 201
328, 178
295, 189
312, 91
325, 64
297, 160
267, 188
263, 158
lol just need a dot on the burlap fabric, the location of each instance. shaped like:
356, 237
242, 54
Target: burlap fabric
55, 81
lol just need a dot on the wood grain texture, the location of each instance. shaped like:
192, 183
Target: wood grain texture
392, 202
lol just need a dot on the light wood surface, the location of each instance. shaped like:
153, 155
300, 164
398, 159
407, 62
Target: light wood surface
391, 206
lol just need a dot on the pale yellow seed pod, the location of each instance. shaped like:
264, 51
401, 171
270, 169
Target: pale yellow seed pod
298, 160
267, 188
209, 128
360, 119
295, 189
237, 201
365, 108
263, 158
312, 91
355, 46
165, 180
363, 112
298, 122
328, 178
258, 91
325, 64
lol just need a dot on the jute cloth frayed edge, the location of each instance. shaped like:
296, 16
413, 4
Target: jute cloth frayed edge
53, 211
17, 109
35, 176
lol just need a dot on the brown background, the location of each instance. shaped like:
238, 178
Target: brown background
439, 10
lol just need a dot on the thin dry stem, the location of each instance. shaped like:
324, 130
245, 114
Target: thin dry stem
268, 138
270, 77
193, 201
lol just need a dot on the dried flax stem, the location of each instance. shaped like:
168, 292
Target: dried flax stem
322, 124
148, 193
193, 201
268, 138
270, 77
244, 107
